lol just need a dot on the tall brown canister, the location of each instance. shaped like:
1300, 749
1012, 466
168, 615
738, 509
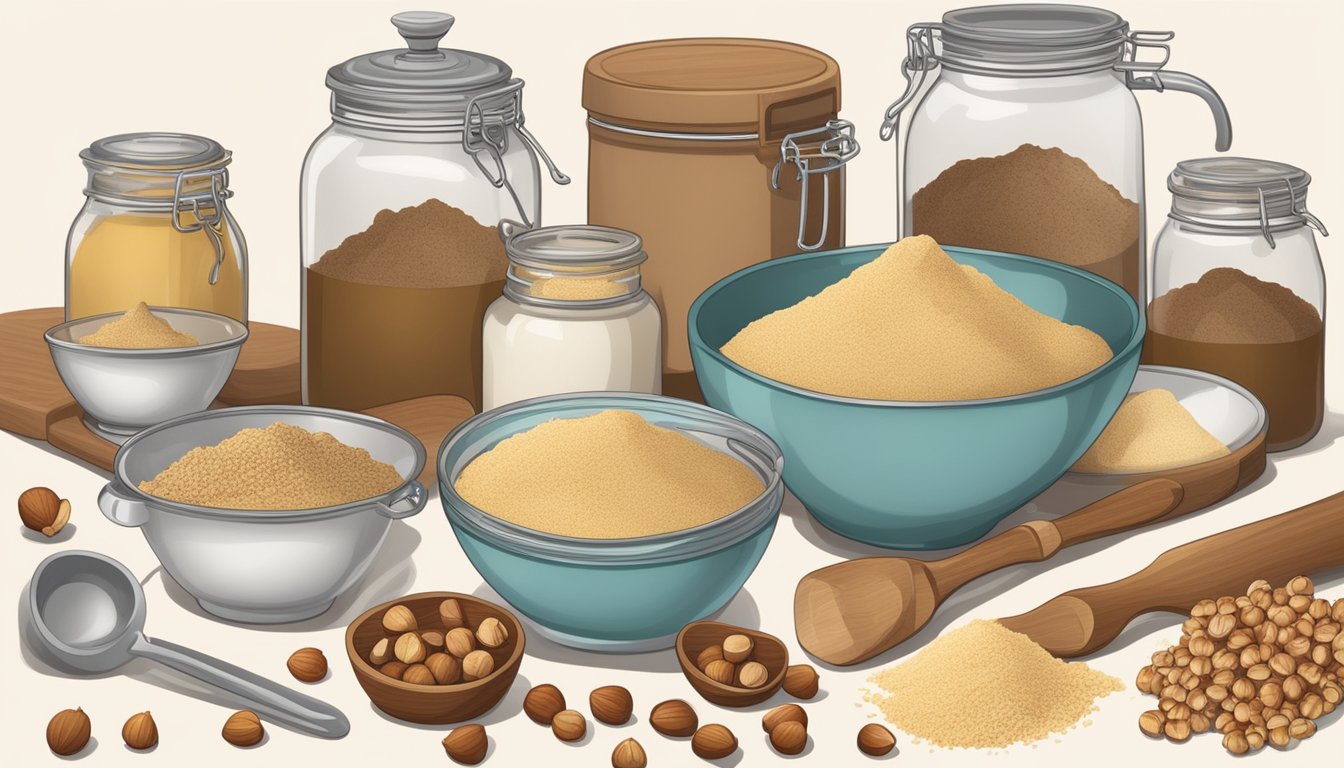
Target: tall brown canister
721, 153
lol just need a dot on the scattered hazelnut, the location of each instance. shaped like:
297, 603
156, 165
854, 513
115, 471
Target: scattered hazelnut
381, 653
492, 633
409, 649
674, 718
476, 665
418, 674
629, 754
543, 702
399, 619
433, 640
737, 648
712, 653
450, 613
782, 714
68, 731
307, 665
140, 732
43, 511
789, 737
753, 674
713, 742
459, 642
568, 725
393, 669
875, 740
445, 668
720, 671
243, 729
467, 744
801, 681
611, 704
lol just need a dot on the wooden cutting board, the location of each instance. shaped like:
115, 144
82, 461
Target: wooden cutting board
34, 403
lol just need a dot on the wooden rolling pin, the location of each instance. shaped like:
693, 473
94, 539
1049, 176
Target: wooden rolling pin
1304, 541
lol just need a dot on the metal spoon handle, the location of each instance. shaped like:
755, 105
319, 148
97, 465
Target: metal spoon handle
269, 699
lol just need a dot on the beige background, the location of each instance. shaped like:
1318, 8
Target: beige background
250, 73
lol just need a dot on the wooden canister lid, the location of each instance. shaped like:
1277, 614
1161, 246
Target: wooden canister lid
713, 85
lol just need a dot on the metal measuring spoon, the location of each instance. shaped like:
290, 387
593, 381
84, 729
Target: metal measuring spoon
89, 612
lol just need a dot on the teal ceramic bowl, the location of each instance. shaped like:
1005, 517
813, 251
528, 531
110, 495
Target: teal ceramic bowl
918, 475
619, 595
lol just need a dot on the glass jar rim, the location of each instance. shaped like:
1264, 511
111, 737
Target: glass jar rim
1031, 38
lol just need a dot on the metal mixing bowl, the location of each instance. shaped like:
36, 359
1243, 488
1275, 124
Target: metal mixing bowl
263, 566
125, 390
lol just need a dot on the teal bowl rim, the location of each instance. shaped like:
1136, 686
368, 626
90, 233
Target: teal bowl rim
1136, 317
687, 543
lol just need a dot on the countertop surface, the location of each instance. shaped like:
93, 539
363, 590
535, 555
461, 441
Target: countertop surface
421, 554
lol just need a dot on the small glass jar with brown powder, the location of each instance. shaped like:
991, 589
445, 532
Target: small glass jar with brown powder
1239, 289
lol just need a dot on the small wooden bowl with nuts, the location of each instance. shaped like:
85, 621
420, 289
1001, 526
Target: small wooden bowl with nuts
731, 666
435, 657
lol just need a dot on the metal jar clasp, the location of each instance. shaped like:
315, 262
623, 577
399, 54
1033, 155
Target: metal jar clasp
487, 134
816, 151
207, 223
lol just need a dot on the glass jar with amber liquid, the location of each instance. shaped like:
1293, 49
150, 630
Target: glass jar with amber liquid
155, 227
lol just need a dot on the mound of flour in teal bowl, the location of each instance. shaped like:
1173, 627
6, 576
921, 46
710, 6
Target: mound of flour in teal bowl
919, 473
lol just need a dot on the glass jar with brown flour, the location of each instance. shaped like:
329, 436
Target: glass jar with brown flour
1023, 134
399, 200
1238, 287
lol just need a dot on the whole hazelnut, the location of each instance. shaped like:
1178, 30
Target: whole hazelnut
782, 714
476, 665
492, 633
399, 619
459, 642
307, 665
611, 704
712, 653
543, 702
629, 754
68, 731
445, 668
243, 729
713, 742
737, 648
875, 740
753, 674
140, 731
789, 737
674, 718
410, 649
568, 725
467, 744
450, 613
720, 671
43, 511
801, 681
418, 674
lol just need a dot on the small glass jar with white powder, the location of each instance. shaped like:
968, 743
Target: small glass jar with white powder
573, 317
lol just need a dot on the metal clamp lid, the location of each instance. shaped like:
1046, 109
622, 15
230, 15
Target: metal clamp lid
1234, 192
816, 151
485, 132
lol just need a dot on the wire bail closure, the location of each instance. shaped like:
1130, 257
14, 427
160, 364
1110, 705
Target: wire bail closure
831, 147
488, 134
219, 192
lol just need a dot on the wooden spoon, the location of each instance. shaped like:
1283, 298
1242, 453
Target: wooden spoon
1307, 540
767, 649
852, 611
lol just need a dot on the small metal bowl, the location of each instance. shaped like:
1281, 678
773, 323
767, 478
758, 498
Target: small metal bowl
122, 391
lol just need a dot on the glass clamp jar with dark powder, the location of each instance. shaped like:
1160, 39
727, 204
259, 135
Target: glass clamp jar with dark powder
1239, 289
426, 153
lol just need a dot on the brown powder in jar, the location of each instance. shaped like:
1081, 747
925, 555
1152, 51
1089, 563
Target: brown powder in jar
1229, 306
1151, 431
138, 329
611, 475
279, 467
915, 325
1256, 333
1038, 202
395, 312
430, 245
985, 686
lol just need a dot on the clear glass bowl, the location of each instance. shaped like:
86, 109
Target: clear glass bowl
625, 595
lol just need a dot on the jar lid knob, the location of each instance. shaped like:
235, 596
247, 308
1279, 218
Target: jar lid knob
422, 30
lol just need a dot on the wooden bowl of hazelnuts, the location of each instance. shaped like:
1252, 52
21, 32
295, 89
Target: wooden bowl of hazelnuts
435, 657
731, 666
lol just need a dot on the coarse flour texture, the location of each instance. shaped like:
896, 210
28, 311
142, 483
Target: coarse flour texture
1151, 431
915, 325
